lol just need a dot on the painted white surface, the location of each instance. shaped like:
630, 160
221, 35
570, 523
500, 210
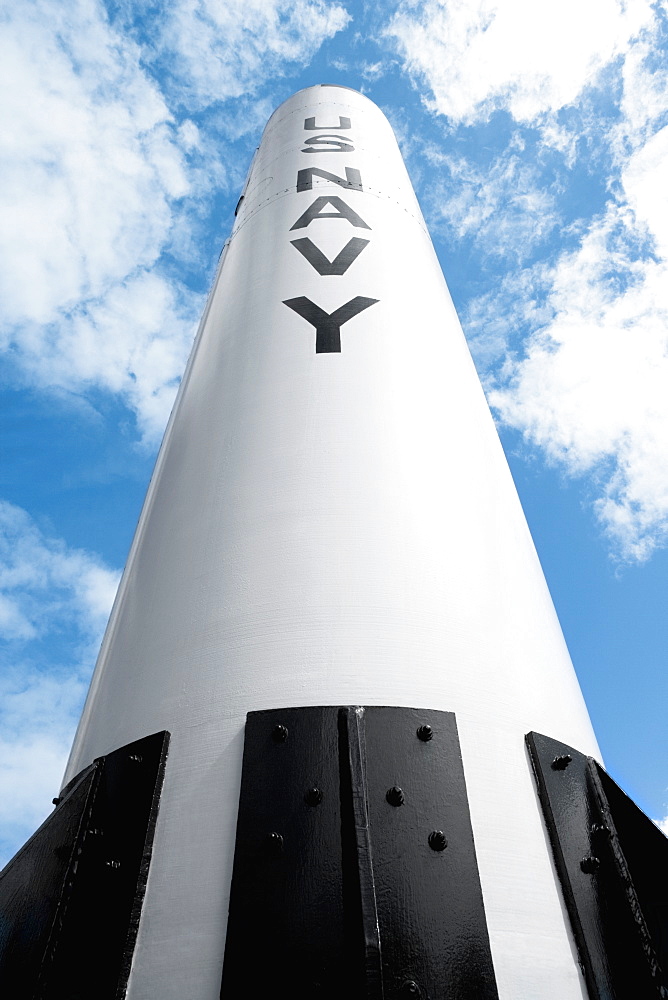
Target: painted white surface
333, 529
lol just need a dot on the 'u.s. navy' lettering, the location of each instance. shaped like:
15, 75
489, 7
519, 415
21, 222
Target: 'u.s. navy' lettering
353, 178
343, 211
341, 262
338, 142
310, 125
328, 325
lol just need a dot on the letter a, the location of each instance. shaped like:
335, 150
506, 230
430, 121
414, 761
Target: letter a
343, 212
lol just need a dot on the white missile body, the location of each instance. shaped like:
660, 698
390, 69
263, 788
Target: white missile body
333, 528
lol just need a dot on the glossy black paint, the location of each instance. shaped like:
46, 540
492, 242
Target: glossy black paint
430, 909
76, 888
357, 904
612, 862
359, 889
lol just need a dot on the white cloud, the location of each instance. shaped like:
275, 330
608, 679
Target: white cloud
591, 389
494, 321
529, 58
221, 50
98, 180
588, 386
644, 185
49, 585
134, 341
49, 594
90, 162
38, 719
644, 90
93, 173
662, 825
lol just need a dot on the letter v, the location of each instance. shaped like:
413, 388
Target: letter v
322, 265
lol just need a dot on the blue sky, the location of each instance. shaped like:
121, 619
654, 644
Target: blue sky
536, 136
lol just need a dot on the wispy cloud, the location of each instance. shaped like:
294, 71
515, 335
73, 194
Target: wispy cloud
517, 55
501, 206
54, 603
214, 51
93, 173
590, 389
496, 321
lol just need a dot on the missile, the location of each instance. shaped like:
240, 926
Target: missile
334, 745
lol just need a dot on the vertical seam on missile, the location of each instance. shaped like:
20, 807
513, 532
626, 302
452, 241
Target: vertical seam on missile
359, 889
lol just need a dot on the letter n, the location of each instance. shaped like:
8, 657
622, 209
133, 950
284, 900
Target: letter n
353, 178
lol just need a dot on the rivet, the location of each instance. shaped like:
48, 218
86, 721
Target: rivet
561, 762
113, 864
279, 734
437, 840
313, 797
135, 758
590, 864
274, 843
409, 989
425, 733
57, 801
395, 796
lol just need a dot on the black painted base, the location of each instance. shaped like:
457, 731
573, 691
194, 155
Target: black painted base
612, 862
355, 872
71, 898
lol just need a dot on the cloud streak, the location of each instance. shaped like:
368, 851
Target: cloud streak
215, 51
501, 206
590, 389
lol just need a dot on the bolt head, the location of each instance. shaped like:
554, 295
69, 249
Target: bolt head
600, 830
274, 843
561, 762
279, 734
590, 865
437, 840
425, 733
395, 796
313, 797
409, 988
56, 801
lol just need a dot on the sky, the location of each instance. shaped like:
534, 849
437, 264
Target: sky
536, 137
